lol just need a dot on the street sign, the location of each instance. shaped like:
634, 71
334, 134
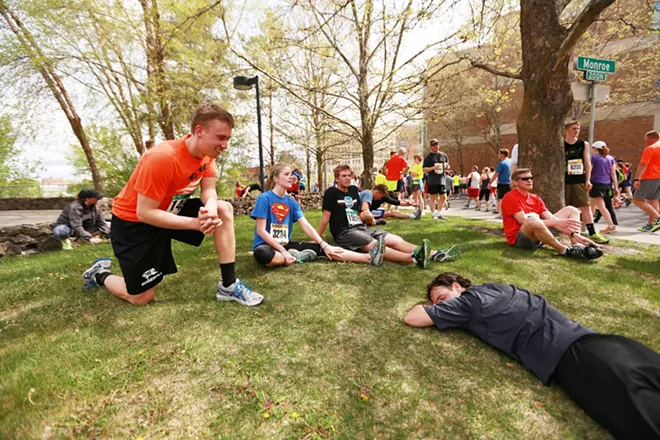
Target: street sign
582, 92
595, 65
590, 75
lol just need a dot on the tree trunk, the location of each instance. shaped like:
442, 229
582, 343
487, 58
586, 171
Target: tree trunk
546, 101
42, 64
367, 157
270, 124
156, 65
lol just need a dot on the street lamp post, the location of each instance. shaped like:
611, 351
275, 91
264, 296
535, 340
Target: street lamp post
245, 83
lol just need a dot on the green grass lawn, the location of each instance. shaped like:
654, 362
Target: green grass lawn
326, 356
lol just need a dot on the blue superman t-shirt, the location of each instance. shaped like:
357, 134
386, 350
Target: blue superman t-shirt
280, 214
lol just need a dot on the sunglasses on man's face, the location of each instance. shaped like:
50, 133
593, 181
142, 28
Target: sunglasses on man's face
526, 179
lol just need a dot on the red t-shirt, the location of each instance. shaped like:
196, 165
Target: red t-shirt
513, 202
395, 166
165, 172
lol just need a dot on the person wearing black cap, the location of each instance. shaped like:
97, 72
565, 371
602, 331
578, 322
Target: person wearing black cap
81, 219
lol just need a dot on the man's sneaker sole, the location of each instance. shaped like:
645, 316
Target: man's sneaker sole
378, 256
102, 264
449, 254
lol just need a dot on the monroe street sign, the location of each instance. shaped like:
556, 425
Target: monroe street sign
595, 65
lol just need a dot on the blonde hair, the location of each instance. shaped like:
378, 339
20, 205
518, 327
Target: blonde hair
275, 170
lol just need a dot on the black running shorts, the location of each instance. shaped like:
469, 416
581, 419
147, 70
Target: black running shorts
144, 251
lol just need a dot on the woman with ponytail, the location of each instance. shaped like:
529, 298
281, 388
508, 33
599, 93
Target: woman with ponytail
603, 181
276, 212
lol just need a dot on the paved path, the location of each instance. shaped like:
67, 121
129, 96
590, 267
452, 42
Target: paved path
13, 218
629, 218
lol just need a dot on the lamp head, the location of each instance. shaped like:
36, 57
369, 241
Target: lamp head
244, 83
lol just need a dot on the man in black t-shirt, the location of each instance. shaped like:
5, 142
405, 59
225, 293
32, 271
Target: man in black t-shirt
435, 164
341, 208
615, 380
577, 177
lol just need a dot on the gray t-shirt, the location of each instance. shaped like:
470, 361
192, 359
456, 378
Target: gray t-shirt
513, 320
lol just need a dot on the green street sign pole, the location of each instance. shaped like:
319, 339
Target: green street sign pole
592, 118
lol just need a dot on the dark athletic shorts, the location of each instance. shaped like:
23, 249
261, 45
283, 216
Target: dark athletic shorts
144, 251
600, 190
416, 187
502, 189
484, 194
436, 189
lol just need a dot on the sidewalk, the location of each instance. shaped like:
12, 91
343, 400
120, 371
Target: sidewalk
15, 218
629, 218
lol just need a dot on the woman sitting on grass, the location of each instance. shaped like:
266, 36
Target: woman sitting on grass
276, 212
615, 380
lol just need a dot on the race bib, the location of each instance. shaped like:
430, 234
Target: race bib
177, 203
575, 167
353, 217
280, 233
439, 168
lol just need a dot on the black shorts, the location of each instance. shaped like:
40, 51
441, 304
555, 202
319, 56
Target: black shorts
400, 187
484, 194
437, 189
502, 189
144, 251
264, 254
416, 187
600, 190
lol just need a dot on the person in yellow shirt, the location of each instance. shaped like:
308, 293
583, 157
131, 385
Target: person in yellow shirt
457, 185
417, 174
380, 177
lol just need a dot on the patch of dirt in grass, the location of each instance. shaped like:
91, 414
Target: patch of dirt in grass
616, 250
16, 311
494, 232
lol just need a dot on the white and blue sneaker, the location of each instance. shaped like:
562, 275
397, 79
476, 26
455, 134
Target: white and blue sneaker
239, 292
99, 265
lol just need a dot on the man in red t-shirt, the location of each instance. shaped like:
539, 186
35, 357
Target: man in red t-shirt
156, 206
394, 169
647, 182
527, 221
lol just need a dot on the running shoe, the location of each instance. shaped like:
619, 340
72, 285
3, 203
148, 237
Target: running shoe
440, 217
418, 213
645, 228
381, 221
608, 230
100, 265
656, 225
498, 217
239, 292
422, 254
582, 252
597, 216
378, 252
295, 253
598, 238
450, 254
477, 209
307, 255
628, 202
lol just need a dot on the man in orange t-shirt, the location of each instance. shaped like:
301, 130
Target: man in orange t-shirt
156, 206
395, 168
527, 221
647, 182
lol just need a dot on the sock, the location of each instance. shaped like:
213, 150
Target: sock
411, 215
564, 253
100, 277
227, 273
590, 228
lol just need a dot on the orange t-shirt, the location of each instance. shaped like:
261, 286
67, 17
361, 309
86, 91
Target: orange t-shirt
395, 166
651, 157
167, 172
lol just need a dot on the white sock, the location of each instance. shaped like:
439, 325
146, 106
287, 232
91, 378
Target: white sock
411, 215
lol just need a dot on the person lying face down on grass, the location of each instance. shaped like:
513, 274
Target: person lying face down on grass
615, 380
275, 213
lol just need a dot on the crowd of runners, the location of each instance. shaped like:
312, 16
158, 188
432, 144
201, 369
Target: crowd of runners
614, 379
